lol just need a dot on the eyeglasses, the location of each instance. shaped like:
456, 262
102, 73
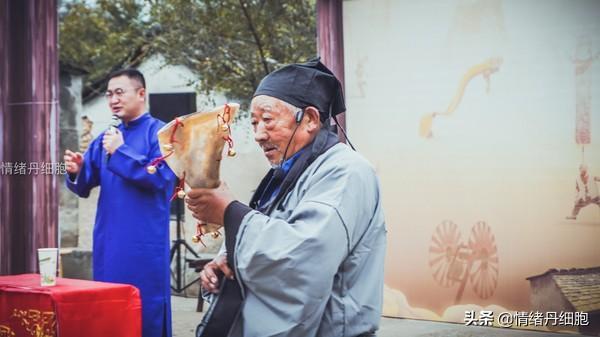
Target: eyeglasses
118, 93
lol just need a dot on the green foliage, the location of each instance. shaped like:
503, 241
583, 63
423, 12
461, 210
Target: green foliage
102, 37
229, 44
232, 44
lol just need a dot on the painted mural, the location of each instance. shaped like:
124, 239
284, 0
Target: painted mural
487, 116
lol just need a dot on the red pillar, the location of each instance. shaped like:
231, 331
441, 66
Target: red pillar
330, 42
29, 124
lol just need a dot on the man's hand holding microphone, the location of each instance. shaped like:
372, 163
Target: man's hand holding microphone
113, 138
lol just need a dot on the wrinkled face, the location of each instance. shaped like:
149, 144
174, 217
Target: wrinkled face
126, 97
274, 123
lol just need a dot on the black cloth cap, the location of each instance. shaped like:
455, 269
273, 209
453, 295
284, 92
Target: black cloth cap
303, 85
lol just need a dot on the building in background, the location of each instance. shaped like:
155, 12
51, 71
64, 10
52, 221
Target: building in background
569, 291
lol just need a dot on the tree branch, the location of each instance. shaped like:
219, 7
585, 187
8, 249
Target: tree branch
256, 38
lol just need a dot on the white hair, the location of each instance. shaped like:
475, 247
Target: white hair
293, 109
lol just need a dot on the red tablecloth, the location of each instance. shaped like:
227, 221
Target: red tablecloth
72, 308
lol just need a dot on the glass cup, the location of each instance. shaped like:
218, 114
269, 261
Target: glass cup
47, 258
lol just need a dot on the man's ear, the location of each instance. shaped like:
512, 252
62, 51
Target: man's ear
142, 93
312, 118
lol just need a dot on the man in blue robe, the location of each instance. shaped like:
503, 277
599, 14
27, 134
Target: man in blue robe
131, 231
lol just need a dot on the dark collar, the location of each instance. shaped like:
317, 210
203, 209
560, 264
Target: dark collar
324, 140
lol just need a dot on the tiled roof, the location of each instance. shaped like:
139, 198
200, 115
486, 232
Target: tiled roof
581, 287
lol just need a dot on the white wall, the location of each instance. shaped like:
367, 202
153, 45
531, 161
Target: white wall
507, 155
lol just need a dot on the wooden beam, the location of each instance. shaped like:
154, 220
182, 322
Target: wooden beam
29, 124
330, 43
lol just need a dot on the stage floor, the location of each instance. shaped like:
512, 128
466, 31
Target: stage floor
185, 320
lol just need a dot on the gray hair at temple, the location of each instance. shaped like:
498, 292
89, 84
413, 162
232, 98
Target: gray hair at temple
294, 109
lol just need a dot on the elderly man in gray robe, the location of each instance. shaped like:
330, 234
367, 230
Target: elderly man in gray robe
305, 257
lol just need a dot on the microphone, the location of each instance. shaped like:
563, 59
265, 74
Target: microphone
114, 124
112, 128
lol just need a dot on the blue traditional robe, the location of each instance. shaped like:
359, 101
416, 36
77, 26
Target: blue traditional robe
131, 231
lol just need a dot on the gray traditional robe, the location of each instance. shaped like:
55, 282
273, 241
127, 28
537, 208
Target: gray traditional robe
314, 266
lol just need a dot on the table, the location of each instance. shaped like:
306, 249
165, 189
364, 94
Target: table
72, 308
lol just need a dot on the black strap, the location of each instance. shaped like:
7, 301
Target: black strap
219, 318
344, 132
324, 141
261, 188
368, 334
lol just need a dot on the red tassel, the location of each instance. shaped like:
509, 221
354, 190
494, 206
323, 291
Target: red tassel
226, 119
180, 187
172, 140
